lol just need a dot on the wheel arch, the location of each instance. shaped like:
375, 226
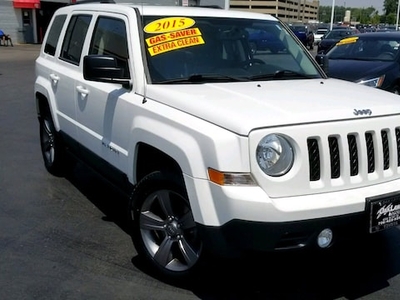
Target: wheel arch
150, 159
45, 100
42, 104
186, 146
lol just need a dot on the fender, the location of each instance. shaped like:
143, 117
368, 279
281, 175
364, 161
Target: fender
193, 143
43, 86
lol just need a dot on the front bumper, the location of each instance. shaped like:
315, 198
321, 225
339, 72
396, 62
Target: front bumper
238, 236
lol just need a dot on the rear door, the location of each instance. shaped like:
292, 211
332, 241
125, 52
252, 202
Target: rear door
60, 65
70, 60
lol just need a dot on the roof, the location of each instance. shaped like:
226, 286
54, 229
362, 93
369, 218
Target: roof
379, 35
159, 10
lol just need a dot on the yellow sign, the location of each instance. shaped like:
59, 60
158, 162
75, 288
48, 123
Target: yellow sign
349, 40
165, 37
171, 34
169, 24
176, 44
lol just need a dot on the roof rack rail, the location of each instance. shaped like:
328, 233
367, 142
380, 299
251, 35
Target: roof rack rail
92, 1
209, 6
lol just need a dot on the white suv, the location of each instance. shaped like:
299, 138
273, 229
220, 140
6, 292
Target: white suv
223, 150
319, 33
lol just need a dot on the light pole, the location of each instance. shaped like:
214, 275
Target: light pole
333, 12
397, 17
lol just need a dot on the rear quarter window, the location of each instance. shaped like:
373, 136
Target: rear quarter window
54, 34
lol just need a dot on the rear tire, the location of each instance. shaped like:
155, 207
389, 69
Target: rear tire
51, 145
164, 232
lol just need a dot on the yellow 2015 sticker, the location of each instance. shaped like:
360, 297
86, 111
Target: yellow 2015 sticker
174, 40
349, 40
169, 24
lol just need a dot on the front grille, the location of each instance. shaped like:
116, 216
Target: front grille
353, 153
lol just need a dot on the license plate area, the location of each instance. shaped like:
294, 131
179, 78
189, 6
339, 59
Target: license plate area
383, 211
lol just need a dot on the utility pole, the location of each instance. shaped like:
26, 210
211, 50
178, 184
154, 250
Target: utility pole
333, 13
397, 15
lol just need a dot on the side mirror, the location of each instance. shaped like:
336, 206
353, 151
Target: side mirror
323, 62
103, 68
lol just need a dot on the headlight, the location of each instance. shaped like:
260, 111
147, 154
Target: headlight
373, 82
274, 155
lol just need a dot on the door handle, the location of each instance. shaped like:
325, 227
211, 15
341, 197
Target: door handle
54, 78
84, 92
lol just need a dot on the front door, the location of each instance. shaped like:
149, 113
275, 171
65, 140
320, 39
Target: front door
105, 110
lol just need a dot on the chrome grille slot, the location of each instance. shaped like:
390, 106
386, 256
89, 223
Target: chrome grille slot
314, 159
385, 148
353, 154
334, 157
369, 142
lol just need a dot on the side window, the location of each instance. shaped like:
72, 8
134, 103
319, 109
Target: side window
109, 38
54, 34
75, 38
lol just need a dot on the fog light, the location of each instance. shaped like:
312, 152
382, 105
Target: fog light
325, 238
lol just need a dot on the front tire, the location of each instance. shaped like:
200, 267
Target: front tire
164, 231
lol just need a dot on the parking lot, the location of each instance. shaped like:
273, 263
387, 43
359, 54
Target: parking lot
66, 238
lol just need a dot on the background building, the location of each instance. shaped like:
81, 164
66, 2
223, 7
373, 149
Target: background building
289, 11
27, 20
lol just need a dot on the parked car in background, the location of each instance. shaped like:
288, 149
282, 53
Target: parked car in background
263, 40
334, 36
370, 59
320, 32
367, 29
388, 28
305, 35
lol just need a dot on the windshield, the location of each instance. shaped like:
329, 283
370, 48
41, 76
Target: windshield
338, 34
298, 28
359, 48
210, 49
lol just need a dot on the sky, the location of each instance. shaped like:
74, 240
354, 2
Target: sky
378, 4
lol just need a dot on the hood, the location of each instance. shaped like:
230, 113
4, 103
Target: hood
355, 70
242, 107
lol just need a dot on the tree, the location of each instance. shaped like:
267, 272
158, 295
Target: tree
362, 15
390, 18
390, 6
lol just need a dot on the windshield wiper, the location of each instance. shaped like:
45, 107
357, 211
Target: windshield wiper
204, 78
290, 73
347, 58
282, 74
